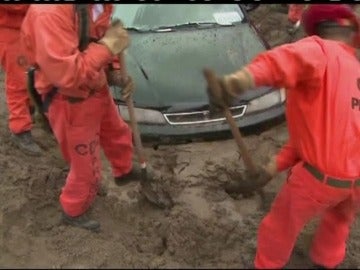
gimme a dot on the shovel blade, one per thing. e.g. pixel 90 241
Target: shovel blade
pixel 154 193
pixel 158 198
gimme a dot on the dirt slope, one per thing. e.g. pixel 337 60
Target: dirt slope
pixel 206 228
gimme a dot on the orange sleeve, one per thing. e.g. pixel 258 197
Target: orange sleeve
pixel 289 64
pixel 19 8
pixel 58 56
pixel 287 157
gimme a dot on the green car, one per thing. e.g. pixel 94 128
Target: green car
pixel 170 46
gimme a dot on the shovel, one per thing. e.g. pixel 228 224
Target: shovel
pixel 248 161
pixel 159 198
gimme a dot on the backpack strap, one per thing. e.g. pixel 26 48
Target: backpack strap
pixel 84 29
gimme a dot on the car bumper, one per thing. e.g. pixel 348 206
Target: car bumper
pixel 168 132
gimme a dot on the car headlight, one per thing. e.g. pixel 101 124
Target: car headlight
pixel 144 116
pixel 266 101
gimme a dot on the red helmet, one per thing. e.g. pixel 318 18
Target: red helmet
pixel 340 14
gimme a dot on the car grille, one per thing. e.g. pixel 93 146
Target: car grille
pixel 200 117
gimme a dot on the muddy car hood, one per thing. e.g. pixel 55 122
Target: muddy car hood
pixel 167 66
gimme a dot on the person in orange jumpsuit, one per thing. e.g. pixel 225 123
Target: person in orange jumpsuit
pixel 294 17
pixel 295 12
pixel 17 98
pixel 322 76
pixel 82 114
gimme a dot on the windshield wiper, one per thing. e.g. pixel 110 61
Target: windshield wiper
pixel 141 30
pixel 189 25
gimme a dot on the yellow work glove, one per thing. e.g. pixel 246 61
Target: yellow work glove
pixel 237 83
pixel 232 86
pixel 271 167
pixel 116 38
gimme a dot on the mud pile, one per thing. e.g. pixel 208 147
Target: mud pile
pixel 205 228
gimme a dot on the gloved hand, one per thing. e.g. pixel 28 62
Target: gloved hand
pixel 231 86
pixel 271 167
pixel 116 38
pixel 127 84
pixel 219 100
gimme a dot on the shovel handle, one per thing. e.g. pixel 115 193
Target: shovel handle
pixel 248 161
pixel 134 127
pixel 215 87
pixel 133 122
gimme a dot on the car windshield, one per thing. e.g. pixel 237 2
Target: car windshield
pixel 159 16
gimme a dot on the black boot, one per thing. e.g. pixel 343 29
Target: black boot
pixel 134 175
pixel 25 142
pixel 82 222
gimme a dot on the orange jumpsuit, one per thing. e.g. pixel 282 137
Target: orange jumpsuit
pixel 323 114
pixel 11 17
pixel 50 39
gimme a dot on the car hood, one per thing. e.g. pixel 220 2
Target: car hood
pixel 167 66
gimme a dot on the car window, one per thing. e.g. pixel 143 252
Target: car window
pixel 153 16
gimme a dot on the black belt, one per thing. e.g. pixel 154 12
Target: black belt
pixel 331 181
pixel 48 98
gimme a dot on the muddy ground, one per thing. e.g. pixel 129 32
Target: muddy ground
pixel 205 228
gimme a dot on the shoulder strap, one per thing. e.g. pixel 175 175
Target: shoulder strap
pixel 83 19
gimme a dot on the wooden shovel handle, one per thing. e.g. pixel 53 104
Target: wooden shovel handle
pixel 133 122
pixel 248 161
pixel 215 87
